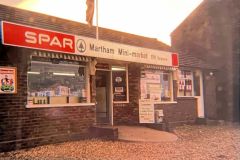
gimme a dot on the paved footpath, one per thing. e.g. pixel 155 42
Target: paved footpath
pixel 220 142
pixel 144 134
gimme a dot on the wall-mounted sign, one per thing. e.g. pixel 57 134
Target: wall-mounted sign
pixel 146 111
pixel 32 37
pixel 8 78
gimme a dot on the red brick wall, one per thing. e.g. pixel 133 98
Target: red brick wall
pixel 184 111
pixel 22 127
pixel 128 113
pixel 211 33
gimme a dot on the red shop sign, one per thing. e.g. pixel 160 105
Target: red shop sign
pixel 31 37
pixel 175 59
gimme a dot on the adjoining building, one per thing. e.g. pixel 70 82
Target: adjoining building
pixel 57 80
pixel 212 33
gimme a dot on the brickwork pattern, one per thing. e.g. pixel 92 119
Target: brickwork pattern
pixel 184 111
pixel 211 33
pixel 22 127
pixel 127 113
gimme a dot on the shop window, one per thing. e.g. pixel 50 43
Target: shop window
pixel 156 85
pixel 120 84
pixel 54 81
pixel 185 87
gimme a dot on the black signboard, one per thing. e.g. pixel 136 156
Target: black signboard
pixel 119 86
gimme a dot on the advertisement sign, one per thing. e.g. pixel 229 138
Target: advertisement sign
pixel 119 86
pixel 109 50
pixel 146 111
pixel 31 37
pixel 8 77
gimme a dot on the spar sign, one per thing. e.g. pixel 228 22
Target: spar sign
pixel 31 37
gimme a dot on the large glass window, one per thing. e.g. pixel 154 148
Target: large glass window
pixel 156 85
pixel 53 81
pixel 185 87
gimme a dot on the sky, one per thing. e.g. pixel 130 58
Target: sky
pixel 149 18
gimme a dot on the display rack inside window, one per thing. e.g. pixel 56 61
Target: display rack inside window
pixel 156 85
pixel 185 87
pixel 55 81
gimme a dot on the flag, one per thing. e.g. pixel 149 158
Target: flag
pixel 89 11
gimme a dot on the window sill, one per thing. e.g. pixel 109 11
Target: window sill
pixel 58 105
pixel 172 102
pixel 186 97
pixel 118 102
pixel 157 102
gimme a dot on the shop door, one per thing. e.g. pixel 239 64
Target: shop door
pixel 102 96
pixel 198 92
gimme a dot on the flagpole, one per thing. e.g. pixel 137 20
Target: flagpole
pixel 97 19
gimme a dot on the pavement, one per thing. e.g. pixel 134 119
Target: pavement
pixel 144 134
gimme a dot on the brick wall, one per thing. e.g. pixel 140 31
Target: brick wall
pixel 128 113
pixel 184 111
pixel 211 33
pixel 22 127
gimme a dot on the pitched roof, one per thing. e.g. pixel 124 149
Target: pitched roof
pixel 58 24
pixel 187 60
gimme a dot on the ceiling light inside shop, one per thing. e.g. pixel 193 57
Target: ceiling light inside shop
pixel 64 74
pixel 33 72
pixel 118 68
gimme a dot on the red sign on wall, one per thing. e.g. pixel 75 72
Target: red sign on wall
pixel 29 37
pixel 175 59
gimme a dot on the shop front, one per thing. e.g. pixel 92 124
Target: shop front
pixel 65 83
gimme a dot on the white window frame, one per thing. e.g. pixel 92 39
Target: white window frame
pixel 170 89
pixel 179 78
pixel 87 87
pixel 127 86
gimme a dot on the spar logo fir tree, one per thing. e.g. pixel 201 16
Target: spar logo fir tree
pixel 81 45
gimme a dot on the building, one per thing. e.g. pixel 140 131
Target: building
pixel 57 80
pixel 212 33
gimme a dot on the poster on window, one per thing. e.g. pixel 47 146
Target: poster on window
pixel 119 86
pixel 146 111
pixel 8 77
pixel 152 78
pixel 143 88
pixel 154 91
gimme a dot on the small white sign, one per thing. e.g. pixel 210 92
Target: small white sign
pixel 146 111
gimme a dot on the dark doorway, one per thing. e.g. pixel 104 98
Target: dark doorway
pixel 102 96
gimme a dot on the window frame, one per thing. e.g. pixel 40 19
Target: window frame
pixel 179 78
pixel 127 84
pixel 170 81
pixel 87 86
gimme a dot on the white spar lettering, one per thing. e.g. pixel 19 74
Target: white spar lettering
pixel 43 38
pixel 32 37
